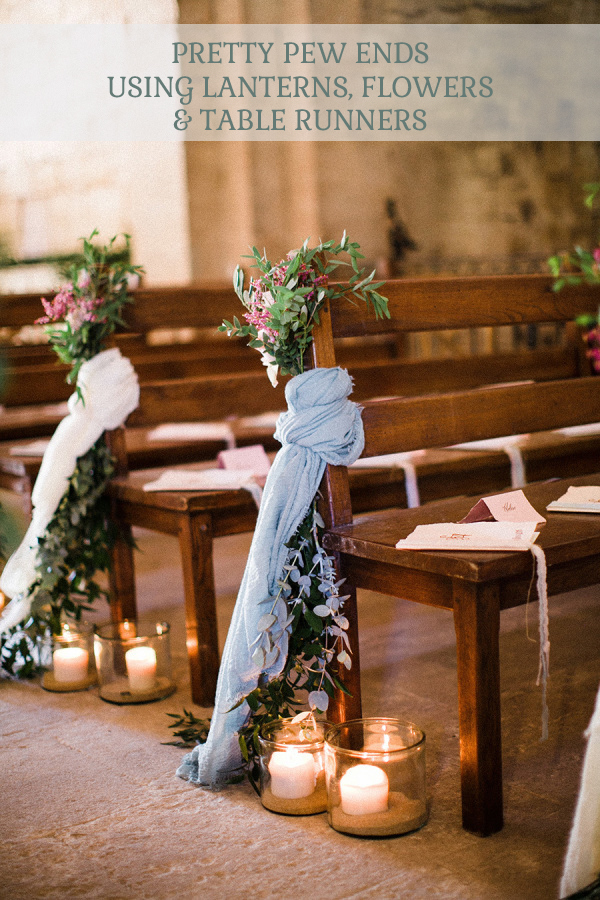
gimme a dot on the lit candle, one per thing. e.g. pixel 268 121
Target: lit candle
pixel 364 790
pixel 70 664
pixel 292 774
pixel 141 668
pixel 384 742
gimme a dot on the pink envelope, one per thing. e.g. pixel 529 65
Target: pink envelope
pixel 512 506
pixel 253 458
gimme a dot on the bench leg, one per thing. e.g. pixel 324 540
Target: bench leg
pixel 344 707
pixel 122 577
pixel 196 545
pixel 477 624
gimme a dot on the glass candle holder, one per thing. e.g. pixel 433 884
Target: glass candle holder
pixel 292 775
pixel 71 659
pixel 133 667
pixel 376 781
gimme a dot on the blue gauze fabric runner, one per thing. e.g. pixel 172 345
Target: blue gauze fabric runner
pixel 321 426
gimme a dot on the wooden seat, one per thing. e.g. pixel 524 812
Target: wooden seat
pixel 474 586
pixel 195 517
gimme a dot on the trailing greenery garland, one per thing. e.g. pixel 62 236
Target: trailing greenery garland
pixel 318 645
pixel 77 543
pixel 75 547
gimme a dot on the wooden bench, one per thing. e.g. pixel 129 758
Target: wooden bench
pixel 474 586
pixel 441 472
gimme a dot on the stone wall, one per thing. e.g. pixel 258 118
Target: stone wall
pixel 472 206
pixel 52 193
pixel 194 209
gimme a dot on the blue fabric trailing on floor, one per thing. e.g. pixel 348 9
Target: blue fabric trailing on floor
pixel 321 426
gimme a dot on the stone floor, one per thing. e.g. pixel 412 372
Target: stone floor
pixel 91 806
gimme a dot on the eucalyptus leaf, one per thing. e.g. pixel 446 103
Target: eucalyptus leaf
pixel 322 611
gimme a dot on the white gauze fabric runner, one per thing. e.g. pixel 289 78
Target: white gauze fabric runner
pixel 110 389
pixel 404 461
pixel 509 445
pixel 544 666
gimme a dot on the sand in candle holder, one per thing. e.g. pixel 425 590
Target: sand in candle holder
pixel 376 778
pixel 292 777
pixel 301 806
pixel 72 660
pixel 401 816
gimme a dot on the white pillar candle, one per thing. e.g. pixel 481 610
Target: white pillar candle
pixel 292 774
pixel 70 664
pixel 364 790
pixel 141 668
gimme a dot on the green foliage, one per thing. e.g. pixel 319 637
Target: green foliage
pixel 579 265
pixel 317 647
pixel 20 649
pixel 77 542
pixel 75 547
pixel 188 729
pixel 317 641
pixel 283 303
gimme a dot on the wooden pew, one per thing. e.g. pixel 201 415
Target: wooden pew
pixel 441 473
pixel 198 519
pixel 475 587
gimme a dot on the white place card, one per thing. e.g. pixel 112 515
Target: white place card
pixel 200 480
pixel 577 499
pixel 511 506
pixel 474 536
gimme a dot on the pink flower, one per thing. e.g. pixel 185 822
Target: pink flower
pixel 83 280
pixel 597 254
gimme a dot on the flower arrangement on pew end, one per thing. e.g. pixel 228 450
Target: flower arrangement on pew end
pixel 283 303
pixel 282 308
pixel 578 267
pixel 77 541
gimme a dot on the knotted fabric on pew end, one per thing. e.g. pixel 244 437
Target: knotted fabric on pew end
pixel 321 426
pixel 110 391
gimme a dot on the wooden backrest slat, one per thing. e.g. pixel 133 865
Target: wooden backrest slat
pixel 418 376
pixel 416 304
pixel 424 304
pixel 184 307
pixel 206 398
pixel 440 420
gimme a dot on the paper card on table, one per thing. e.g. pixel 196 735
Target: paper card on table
pixel 389 461
pixel 264 420
pixel 192 431
pixel 512 506
pixel 33 448
pixel 577 499
pixel 474 536
pixel 200 480
pixel 253 458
